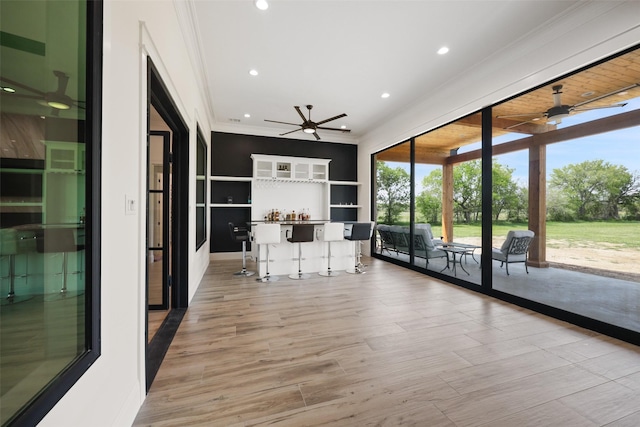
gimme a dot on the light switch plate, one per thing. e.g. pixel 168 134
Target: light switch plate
pixel 130 205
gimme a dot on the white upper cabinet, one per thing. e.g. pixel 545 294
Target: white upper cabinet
pixel 290 168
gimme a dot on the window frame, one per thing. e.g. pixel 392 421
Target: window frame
pixel 47 398
pixel 201 206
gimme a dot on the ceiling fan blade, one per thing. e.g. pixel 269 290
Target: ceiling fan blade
pixel 304 119
pixel 338 129
pixel 316 135
pixel 332 118
pixel 597 98
pixel 284 123
pixel 21 86
pixel 521 115
pixel 20 95
pixel 515 125
pixel 291 131
pixel 63 80
pixel 622 104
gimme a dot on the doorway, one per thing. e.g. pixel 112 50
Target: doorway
pixel 159 206
pixel 167 251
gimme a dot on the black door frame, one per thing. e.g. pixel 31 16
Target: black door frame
pixel 166 216
pixel 159 97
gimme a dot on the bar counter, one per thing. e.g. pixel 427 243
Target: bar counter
pixel 283 256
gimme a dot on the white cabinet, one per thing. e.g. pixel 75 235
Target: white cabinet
pixel 65 156
pixel 290 168
pixel 289 185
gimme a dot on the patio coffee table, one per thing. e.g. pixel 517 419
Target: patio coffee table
pixel 461 249
pixel 470 247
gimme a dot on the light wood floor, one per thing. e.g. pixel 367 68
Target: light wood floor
pixel 391 347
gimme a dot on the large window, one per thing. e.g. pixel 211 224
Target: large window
pixel 559 223
pixel 47 206
pixel 201 190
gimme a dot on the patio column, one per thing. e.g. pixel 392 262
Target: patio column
pixel 538 205
pixel 447 202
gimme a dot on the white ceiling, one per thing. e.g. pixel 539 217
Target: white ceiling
pixel 340 56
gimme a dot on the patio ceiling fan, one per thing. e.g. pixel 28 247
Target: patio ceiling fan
pixel 559 110
pixel 309 126
pixel 57 100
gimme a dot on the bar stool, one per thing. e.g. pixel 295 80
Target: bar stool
pixel 241 234
pixel 300 234
pixel 59 240
pixel 9 249
pixel 333 232
pixel 266 234
pixel 359 231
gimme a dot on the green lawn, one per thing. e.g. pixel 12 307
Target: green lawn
pixel 624 233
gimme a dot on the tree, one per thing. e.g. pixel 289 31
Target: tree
pixel 596 189
pixel 393 192
pixel 429 201
pixel 505 190
pixel 467 191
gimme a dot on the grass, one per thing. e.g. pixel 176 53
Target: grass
pixel 625 234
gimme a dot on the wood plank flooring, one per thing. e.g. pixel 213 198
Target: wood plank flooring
pixel 388 348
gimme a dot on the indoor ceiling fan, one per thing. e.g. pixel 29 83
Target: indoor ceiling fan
pixel 57 100
pixel 308 126
pixel 559 110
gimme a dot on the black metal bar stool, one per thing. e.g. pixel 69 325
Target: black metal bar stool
pixel 332 232
pixel 359 231
pixel 241 234
pixel 300 234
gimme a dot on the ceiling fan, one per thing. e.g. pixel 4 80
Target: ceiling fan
pixel 560 111
pixel 310 127
pixel 57 100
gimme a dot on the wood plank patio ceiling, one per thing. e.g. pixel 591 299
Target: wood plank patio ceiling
pixel 621 72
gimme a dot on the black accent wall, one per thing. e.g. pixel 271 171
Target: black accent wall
pixel 231 156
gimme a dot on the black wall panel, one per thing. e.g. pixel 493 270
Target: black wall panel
pixel 231 156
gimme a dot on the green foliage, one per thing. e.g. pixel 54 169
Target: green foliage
pixel 593 189
pixel 393 192
pixel 429 202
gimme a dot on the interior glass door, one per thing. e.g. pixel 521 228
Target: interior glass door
pixel 158 220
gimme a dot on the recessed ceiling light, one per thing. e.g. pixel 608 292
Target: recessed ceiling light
pixel 623 93
pixel 247 115
pixel 8 89
pixel 443 50
pixel 535 119
pixel 343 127
pixel 262 4
pixel 588 94
pixel 253 72
pixel 385 95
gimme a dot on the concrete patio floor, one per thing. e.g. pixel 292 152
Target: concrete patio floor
pixel 611 300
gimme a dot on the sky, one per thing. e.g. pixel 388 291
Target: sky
pixel 619 148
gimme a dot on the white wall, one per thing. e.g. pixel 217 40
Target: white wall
pixel 112 390
pixel 593 32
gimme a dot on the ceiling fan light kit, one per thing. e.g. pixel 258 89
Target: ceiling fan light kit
pixel 310 127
